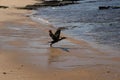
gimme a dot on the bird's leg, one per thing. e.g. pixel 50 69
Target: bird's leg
pixel 51 45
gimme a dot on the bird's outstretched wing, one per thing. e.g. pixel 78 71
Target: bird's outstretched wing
pixel 57 33
pixel 52 35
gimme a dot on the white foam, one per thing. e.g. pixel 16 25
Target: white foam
pixel 40 20
pixel 43 20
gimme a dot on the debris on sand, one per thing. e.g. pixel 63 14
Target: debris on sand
pixel 108 71
pixel 22 65
pixel 4 73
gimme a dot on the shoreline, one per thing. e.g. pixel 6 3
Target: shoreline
pixel 83 42
pixel 25 54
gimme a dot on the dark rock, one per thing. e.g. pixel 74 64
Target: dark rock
pixel 115 7
pixel 28 7
pixel 4 7
pixel 110 24
pixel 108 7
pixel 103 7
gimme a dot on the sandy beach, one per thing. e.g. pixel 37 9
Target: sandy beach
pixel 25 53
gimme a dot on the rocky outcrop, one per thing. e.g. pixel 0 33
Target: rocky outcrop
pixel 47 3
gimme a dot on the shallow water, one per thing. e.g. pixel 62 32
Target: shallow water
pixel 85 21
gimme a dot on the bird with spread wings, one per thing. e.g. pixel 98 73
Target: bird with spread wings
pixel 56 36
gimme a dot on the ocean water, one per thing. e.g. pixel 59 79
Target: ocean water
pixel 84 21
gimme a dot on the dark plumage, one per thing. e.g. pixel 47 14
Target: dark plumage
pixel 55 37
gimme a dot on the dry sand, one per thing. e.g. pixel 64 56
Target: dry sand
pixel 26 55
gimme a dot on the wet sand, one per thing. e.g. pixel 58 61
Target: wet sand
pixel 25 53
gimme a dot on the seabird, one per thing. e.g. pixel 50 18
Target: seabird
pixel 56 36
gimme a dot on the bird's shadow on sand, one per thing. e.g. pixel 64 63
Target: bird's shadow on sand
pixel 63 49
pixel 66 49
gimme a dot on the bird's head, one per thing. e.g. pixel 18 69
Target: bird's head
pixel 63 37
